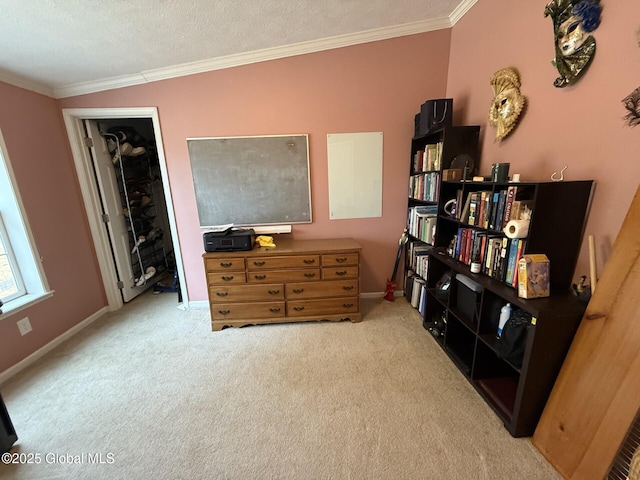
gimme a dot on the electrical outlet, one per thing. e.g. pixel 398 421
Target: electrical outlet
pixel 24 326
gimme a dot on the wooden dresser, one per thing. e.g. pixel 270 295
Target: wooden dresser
pixel 297 281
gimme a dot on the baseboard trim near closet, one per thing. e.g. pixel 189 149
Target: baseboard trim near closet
pixel 22 364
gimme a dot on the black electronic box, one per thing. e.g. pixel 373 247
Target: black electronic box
pixel 230 240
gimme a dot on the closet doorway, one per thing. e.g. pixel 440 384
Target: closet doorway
pixel 122 172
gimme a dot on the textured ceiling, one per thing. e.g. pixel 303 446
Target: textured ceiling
pixel 62 43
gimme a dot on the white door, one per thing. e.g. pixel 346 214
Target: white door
pixel 115 220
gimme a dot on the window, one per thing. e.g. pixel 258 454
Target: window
pixel 22 280
pixel 11 285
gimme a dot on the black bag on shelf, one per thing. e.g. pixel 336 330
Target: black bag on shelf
pixel 435 114
pixel 513 341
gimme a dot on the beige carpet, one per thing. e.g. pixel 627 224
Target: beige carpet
pixel 152 393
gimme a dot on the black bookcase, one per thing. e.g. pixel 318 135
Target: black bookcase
pixel 516 392
pixel 7 433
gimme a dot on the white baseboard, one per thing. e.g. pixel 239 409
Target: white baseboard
pixel 21 365
pixel 397 293
pixel 198 304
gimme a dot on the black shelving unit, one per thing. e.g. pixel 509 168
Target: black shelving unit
pixel 465 322
pixel 8 434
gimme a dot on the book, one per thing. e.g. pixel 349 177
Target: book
pixel 464 215
pixel 482 205
pixel 495 245
pixel 511 260
pixel 500 210
pixel 473 208
pixel 502 262
pixel 494 210
pixel 511 195
pixel 519 253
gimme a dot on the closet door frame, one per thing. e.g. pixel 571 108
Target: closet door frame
pixel 74 122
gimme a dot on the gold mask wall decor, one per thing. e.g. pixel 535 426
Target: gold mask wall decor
pixel 507 103
pixel 573 22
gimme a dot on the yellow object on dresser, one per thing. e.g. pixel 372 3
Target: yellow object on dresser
pixel 296 281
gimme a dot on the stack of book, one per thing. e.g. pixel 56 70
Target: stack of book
pixel 493 210
pixel 428 159
pixel 424 186
pixel 422 222
pixel 417 254
pixel 497 255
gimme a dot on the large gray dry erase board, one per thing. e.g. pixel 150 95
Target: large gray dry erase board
pixel 251 180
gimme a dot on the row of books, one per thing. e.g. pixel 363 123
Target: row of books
pixel 424 186
pixel 416 291
pixel 427 159
pixel 421 223
pixel 497 255
pixel 493 210
pixel 417 255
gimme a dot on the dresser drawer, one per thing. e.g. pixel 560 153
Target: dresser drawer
pixel 337 259
pixel 226 277
pixel 338 288
pixel 246 293
pixel 329 306
pixel 223 264
pixel 332 273
pixel 232 311
pixel 278 276
pixel 293 261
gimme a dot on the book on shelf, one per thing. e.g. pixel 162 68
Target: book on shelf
pixel 417 161
pixel 494 210
pixel 418 284
pixel 519 254
pixel 515 246
pixel 511 196
pixel 502 262
pixel 464 214
pixel 473 208
pixel 494 244
pixel 422 303
pixel 500 210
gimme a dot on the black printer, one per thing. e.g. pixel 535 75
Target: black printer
pixel 229 240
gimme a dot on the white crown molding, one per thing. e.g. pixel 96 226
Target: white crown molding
pixel 246 58
pixel 460 10
pixel 236 60
pixel 27 84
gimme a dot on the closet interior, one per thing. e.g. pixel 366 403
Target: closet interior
pixel 140 189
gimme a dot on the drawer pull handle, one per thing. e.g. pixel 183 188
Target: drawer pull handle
pixel 274 310
pixel 227 278
pixel 309 275
pixel 224 312
pixel 347 305
pixel 298 290
pixel 222 294
pixel 309 261
pixel 341 259
pixel 341 272
pixel 298 309
pixel 274 292
pixel 348 287
pixel 260 277
pixel 258 263
pixel 226 264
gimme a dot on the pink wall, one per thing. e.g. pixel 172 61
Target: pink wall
pixel 373 87
pixel 580 126
pixel 38 149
